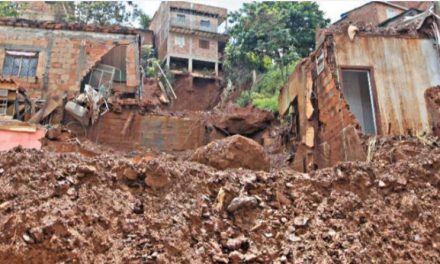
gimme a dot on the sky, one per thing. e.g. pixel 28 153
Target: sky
pixel 332 8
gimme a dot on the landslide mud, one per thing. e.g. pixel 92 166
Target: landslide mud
pixel 111 209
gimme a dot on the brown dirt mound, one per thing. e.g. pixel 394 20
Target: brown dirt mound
pixel 68 208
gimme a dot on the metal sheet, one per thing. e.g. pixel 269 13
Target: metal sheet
pixel 403 69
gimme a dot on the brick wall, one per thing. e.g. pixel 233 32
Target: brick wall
pixel 65 58
pixel 338 135
pixel 329 131
pixel 373 12
pixel 176 49
pixel 191 48
pixel 208 54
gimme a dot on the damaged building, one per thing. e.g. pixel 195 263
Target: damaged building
pixel 362 81
pixel 50 62
pixel 188 37
pixel 50 57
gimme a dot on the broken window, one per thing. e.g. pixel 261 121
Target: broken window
pixel 179 41
pixel 117 57
pixel 20 63
pixel 205 23
pixel 204 44
pixel 358 93
pixel 101 78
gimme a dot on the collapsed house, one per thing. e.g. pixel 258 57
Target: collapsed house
pixel 362 81
pixel 50 57
pixel 50 62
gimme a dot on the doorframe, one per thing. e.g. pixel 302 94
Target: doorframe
pixel 373 91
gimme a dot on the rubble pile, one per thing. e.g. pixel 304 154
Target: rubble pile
pixel 113 209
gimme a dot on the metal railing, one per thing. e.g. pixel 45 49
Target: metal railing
pixel 186 23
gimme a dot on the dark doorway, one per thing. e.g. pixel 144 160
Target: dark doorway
pixel 358 93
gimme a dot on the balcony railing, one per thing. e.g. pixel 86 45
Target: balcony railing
pixel 192 25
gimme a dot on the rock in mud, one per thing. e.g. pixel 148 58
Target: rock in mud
pixel 242 120
pixel 233 152
pixel 242 202
pixel 130 173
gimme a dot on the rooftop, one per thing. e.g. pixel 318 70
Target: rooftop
pixel 73 26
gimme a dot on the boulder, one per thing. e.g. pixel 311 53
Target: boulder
pixel 242 120
pixel 233 152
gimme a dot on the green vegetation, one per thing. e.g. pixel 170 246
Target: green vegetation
pixel 144 20
pixel 10 9
pixel 106 12
pixel 265 95
pixel 269 37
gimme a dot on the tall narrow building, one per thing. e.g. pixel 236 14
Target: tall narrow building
pixel 187 36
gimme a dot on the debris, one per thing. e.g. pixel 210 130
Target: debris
pixel 130 173
pixel 300 221
pixel 337 214
pixel 294 238
pixel 53 133
pixel 50 105
pixel 220 199
pixel 242 202
pixel 351 31
pixel 138 207
pixel 128 123
pixel 237 243
pixel 28 239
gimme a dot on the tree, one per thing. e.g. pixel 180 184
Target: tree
pixel 106 12
pixel 269 37
pixel 279 31
pixel 144 20
pixel 10 9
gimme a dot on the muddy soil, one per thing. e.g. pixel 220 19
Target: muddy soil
pixel 66 207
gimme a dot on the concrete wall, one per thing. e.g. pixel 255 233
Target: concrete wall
pixel 160 25
pixel 65 57
pixel 403 68
pixel 165 133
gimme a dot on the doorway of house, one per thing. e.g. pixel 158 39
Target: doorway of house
pixel 356 87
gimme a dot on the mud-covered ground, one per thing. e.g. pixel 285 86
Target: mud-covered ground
pixel 70 208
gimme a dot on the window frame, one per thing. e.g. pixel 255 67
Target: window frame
pixel 204 41
pixel 208 22
pixel 32 64
pixel 181 18
pixel 176 43
pixel 373 91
